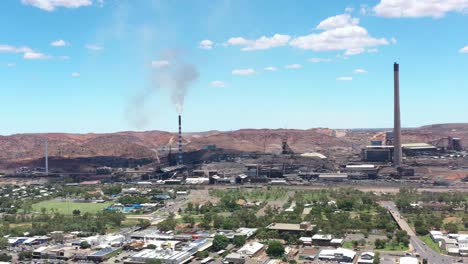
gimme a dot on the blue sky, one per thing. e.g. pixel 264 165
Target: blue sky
pixel 95 66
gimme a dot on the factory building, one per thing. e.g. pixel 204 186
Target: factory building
pixel 377 153
pixel 384 153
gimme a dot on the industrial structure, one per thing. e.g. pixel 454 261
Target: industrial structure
pixel 46 155
pixel 397 153
pixel 179 155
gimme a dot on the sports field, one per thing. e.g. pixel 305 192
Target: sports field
pixel 67 207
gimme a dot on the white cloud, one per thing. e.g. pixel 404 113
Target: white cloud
pixel 75 74
pixel 93 47
pixel 338 21
pixel 261 43
pixel 293 66
pixel 237 41
pixel 28 53
pixel 419 8
pixel 270 68
pixel 341 32
pixel 356 51
pixel 344 78
pixel 11 64
pixel 13 49
pixel 349 9
pixel 374 50
pixel 364 10
pixel 243 71
pixel 206 44
pixel 59 43
pixel 51 5
pixel 64 57
pixel 393 40
pixel 32 55
pixel 358 71
pixel 160 63
pixel 317 60
pixel 218 84
pixel 464 49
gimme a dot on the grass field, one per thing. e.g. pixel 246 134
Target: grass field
pixel 68 207
pixel 430 243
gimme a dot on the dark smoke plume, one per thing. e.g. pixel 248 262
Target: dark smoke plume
pixel 170 72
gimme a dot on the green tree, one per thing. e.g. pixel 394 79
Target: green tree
pixel 275 249
pixel 239 241
pixel 76 212
pixel 451 228
pixel 24 255
pixel 380 243
pixel 376 258
pixel 168 224
pixel 144 223
pixel 3 242
pixel 85 245
pixel 220 242
pixel 402 237
pixel 5 258
pixel 355 243
pixel 189 220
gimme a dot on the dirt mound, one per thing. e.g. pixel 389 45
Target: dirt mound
pixel 140 145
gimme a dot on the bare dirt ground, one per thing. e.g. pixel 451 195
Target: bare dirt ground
pixel 201 197
pixel 275 203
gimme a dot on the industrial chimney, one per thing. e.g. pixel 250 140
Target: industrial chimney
pixel 46 155
pixel 179 157
pixel 397 152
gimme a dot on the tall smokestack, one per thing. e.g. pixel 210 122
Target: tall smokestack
pixel 179 158
pixel 397 153
pixel 46 155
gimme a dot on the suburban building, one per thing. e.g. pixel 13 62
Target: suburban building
pixel 251 249
pixel 291 228
pixel 366 258
pixel 408 260
pixel 341 255
pixel 321 240
pixel 104 254
pixel 234 258
pixel 168 255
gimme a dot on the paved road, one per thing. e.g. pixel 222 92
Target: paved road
pixel 418 245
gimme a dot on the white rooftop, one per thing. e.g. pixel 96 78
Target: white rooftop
pixel 409 260
pixel 250 249
pixel 330 253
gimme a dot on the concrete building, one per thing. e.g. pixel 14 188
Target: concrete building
pixel 291 228
pixel 408 260
pixel 234 258
pixel 366 258
pixel 322 240
pixel 341 255
pixel 169 255
pixel 336 177
pixel 377 154
pixel 104 254
pixel 251 249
